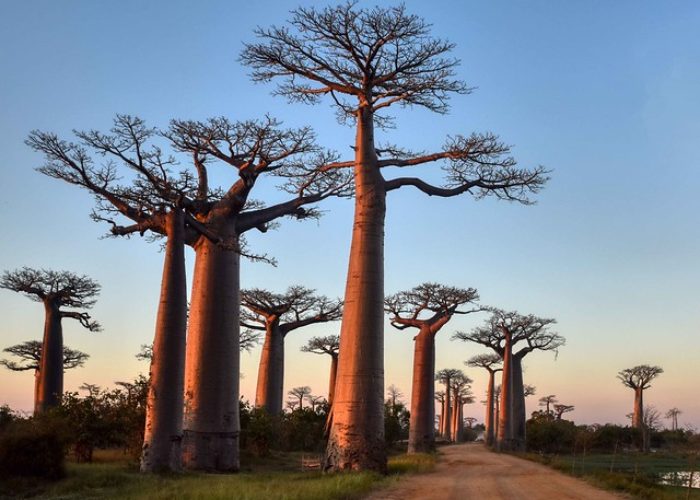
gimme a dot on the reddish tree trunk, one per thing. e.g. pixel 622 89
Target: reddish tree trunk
pixel 331 383
pixel 505 432
pixel 356 440
pixel 441 422
pixel 519 415
pixel 447 424
pixel 638 413
pixel 269 393
pixel 211 422
pixel 163 432
pixel 421 435
pixel 51 371
pixel 458 425
pixel 489 420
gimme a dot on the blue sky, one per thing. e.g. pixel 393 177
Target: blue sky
pixel 603 93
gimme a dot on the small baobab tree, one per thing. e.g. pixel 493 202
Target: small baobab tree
pixel 671 414
pixel 440 398
pixel 461 395
pixel 491 363
pixel 638 378
pixel 501 332
pixel 314 401
pixel 299 394
pixel 277 314
pixel 326 345
pixel 445 377
pixel 56 290
pixel 29 354
pixel 546 402
pixel 427 308
pixel 560 409
pixel 394 395
pixel 470 421
pixel 367 60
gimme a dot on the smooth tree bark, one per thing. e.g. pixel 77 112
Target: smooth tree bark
pixel 367 60
pixel 29 354
pixel 215 219
pixel 278 315
pixel 427 308
pixel 461 395
pixel 638 378
pixel 56 290
pixel 440 398
pixel 489 362
pixel 445 376
pixel 502 331
pixel 329 345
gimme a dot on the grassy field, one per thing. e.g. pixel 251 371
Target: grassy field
pixel 637 474
pixel 275 477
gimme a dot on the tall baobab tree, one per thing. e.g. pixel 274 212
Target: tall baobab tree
pixel 638 378
pixel 326 345
pixel 445 377
pixel 367 60
pixel 496 411
pixel 394 395
pixel 491 363
pixel 277 314
pixel 547 401
pixel 440 398
pixel 672 414
pixel 56 290
pixel 501 332
pixel 29 354
pixel 427 308
pixel 461 395
pixel 186 209
pixel 560 409
pixel 300 393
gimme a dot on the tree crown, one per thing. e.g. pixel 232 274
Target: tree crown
pixel 323 345
pixel 29 354
pixel 640 376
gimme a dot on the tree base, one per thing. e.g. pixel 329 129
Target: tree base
pixel 211 451
pixel 164 458
pixel 360 455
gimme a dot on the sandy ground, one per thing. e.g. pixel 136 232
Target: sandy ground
pixel 470 471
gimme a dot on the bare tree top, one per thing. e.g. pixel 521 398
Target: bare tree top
pixel 429 305
pixel 549 399
pixel 295 308
pixel 323 345
pixel 29 354
pixel 300 392
pixel 640 376
pixel 394 393
pixel 530 330
pixel 490 362
pixel 447 374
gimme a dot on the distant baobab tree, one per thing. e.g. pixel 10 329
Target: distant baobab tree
pixel 427 308
pixel 326 345
pixel 56 290
pixel 445 377
pixel 547 401
pixel 671 414
pixel 461 395
pixel 314 401
pixel 491 363
pixel 187 210
pixel 470 421
pixel 367 60
pixel 300 393
pixel 638 378
pixel 277 314
pixel 394 395
pixel 440 398
pixel 560 409
pixel 501 333
pixel 29 354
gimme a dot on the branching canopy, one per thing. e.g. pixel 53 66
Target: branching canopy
pixel 490 362
pixel 639 377
pixel 29 354
pixel 323 345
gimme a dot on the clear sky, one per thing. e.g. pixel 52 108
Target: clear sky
pixel 604 93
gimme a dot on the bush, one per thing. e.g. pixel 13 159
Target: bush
pixel 608 438
pixel 550 436
pixel 34 447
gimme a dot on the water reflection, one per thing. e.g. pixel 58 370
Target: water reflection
pixel 680 478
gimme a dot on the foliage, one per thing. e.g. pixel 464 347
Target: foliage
pixel 547 435
pixel 396 420
pixel 33 447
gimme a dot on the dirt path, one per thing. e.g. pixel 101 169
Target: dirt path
pixel 470 471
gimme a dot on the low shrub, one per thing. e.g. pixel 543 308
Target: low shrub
pixel 34 447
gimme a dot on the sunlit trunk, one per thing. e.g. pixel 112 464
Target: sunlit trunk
pixel 458 425
pixel 505 432
pixel 489 420
pixel 421 434
pixel 441 422
pixel 269 393
pixel 331 383
pixel 519 415
pixel 356 440
pixel 496 417
pixel 447 423
pixel 211 424
pixel 163 431
pixel 50 387
pixel 638 414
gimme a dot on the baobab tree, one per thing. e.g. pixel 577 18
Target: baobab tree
pixel 671 414
pixel 367 60
pixel 300 393
pixel 560 409
pixel 547 401
pixel 29 354
pixel 56 290
pixel 326 345
pixel 445 377
pixel 440 398
pixel 470 421
pixel 638 378
pixel 427 308
pixel 491 363
pixel 461 395
pixel 186 209
pixel 394 395
pixel 278 314
pixel 501 332
pixel 314 401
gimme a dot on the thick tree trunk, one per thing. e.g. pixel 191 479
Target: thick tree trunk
pixel 270 390
pixel 51 371
pixel 458 425
pixel 505 432
pixel 331 383
pixel 163 432
pixel 489 419
pixel 421 431
pixel 441 422
pixel 37 381
pixel 496 418
pixel 519 415
pixel 211 423
pixel 447 421
pixel 638 413
pixel 356 440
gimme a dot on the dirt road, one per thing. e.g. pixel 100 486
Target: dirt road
pixel 470 471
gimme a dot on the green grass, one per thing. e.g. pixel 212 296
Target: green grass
pixel 274 477
pixel 636 474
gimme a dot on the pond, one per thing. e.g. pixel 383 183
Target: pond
pixel 680 478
